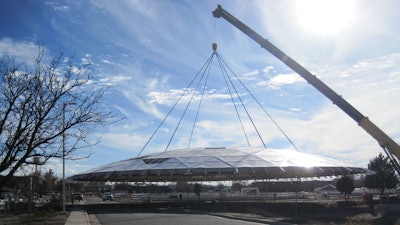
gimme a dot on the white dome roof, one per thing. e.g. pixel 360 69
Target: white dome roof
pixel 210 164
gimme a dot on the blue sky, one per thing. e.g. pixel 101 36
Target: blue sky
pixel 148 51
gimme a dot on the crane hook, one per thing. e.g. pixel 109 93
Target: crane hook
pixel 214 47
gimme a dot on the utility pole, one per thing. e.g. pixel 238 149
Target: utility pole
pixel 63 157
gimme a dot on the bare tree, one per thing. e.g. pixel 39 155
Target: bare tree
pixel 40 105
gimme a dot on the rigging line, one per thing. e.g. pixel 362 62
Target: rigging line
pixel 392 159
pixel 187 105
pixel 242 103
pixel 214 30
pixel 190 100
pixel 173 107
pixel 201 100
pixel 265 111
pixel 234 104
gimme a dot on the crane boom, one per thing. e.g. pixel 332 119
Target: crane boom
pixel 391 148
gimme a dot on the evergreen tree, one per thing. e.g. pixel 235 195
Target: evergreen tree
pixel 345 185
pixel 50 181
pixel 384 178
pixel 197 188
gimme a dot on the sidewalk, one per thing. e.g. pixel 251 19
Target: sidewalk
pixel 78 217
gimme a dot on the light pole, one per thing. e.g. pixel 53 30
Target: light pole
pixel 63 157
pixel 63 154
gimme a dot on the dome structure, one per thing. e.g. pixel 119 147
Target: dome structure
pixel 217 164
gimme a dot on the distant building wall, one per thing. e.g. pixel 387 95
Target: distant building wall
pixel 289 186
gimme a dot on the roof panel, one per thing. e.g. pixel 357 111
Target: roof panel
pixel 219 164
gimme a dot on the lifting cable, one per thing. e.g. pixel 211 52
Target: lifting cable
pixel 207 68
pixel 201 100
pixel 233 91
pixel 261 106
pixel 176 103
pixel 225 74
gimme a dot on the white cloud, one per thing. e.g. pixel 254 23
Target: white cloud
pixel 267 69
pixel 87 59
pixel 295 109
pixel 171 97
pixel 210 133
pixel 333 133
pixel 250 75
pixel 280 80
pixel 120 78
pixel 123 141
pixel 56 6
pixel 147 107
pixel 23 51
pixel 167 98
pixel 106 61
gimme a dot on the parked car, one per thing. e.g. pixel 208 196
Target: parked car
pixel 108 196
pixel 78 196
pixel 3 203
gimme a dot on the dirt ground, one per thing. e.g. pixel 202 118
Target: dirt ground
pixel 41 218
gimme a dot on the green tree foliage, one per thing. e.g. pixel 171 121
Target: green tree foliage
pixel 385 177
pixel 237 186
pixel 345 185
pixel 220 187
pixel 50 181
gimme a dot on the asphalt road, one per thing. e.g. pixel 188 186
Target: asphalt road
pixel 165 219
pixel 122 212
pixel 108 213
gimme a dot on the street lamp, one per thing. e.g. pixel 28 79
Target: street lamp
pixel 63 157
pixel 63 154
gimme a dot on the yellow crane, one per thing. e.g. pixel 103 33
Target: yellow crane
pixel 390 147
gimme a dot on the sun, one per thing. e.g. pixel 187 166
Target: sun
pixel 325 16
